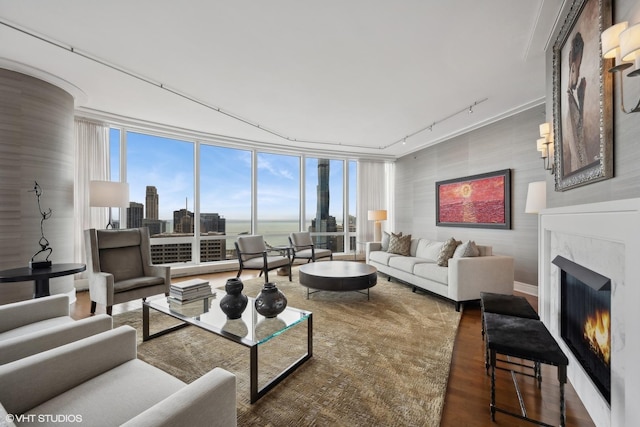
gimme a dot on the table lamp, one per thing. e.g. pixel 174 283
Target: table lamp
pixel 377 216
pixel 108 194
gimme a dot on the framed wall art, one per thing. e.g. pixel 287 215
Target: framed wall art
pixel 582 97
pixel 481 201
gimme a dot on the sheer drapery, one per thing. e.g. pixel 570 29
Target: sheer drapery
pixel 373 194
pixel 91 163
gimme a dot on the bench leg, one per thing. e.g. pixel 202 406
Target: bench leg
pixel 562 379
pixel 493 385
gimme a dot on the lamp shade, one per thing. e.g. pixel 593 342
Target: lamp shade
pixel 536 197
pixel 611 40
pixel 630 43
pixel 108 194
pixel 379 215
pixel 545 129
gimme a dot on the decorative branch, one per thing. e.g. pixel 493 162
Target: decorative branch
pixel 43 242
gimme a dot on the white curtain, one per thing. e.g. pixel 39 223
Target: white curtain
pixel 372 194
pixel 92 163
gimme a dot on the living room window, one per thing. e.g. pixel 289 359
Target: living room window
pixel 278 197
pixel 197 194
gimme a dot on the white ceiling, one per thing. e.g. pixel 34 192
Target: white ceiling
pixel 352 76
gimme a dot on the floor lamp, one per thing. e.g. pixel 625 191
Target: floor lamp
pixel 377 216
pixel 108 194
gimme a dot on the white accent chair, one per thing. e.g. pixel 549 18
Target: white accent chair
pixel 33 326
pixel 303 247
pixel 100 380
pixel 120 269
pixel 253 254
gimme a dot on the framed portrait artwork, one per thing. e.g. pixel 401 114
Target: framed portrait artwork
pixel 582 97
pixel 480 201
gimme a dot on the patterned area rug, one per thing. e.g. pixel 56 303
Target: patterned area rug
pixel 383 362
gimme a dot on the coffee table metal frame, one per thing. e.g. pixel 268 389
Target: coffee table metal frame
pixel 256 391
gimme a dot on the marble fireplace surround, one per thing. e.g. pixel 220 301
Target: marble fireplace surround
pixel 604 237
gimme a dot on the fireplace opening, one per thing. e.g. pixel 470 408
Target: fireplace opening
pixel 585 320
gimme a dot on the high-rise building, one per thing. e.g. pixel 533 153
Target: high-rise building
pixel 152 202
pixel 134 215
pixel 212 222
pixel 183 221
pixel 323 222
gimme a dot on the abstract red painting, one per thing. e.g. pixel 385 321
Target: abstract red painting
pixel 475 201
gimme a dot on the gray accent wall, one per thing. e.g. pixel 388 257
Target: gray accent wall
pixel 507 144
pixel 36 144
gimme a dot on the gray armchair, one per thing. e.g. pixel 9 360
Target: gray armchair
pixel 303 247
pixel 253 254
pixel 120 269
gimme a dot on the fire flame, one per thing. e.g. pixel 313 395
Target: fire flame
pixel 597 331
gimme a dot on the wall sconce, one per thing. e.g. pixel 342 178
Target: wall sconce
pixel 623 43
pixel 545 147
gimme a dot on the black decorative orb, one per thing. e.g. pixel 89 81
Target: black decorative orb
pixel 234 302
pixel 270 301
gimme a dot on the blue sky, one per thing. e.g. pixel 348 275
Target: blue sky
pixel 225 183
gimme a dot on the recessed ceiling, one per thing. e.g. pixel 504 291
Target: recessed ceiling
pixel 356 76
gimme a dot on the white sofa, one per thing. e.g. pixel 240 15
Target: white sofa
pixel 99 381
pixel 462 280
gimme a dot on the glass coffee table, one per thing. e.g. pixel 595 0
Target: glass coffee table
pixel 251 330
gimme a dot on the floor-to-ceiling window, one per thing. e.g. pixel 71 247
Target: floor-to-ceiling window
pixel 278 196
pixel 225 200
pixel 192 194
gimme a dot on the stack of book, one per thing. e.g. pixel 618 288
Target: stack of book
pixel 190 290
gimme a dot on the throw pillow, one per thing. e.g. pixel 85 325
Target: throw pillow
pixel 467 249
pixel 385 240
pixel 448 248
pixel 400 245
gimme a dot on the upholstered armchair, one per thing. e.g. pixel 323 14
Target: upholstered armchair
pixel 36 325
pixel 253 254
pixel 120 269
pixel 303 247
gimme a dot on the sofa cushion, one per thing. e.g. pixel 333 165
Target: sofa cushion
pixel 385 240
pixel 381 257
pixel 35 327
pixel 406 263
pixel 432 271
pixel 448 248
pixel 467 249
pixel 428 249
pixel 400 245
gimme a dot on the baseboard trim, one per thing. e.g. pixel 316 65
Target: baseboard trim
pixel 525 288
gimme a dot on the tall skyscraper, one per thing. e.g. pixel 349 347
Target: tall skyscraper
pixel 152 202
pixel 134 215
pixel 323 222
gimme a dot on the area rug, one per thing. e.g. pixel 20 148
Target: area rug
pixel 378 362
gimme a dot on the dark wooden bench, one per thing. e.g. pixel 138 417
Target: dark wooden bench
pixel 527 339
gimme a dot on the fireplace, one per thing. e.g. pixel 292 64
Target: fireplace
pixel 585 320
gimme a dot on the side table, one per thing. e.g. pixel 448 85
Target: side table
pixel 40 276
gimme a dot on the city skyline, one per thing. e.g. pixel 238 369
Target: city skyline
pixel 225 179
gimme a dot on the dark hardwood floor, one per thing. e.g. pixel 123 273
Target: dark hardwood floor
pixel 467 398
